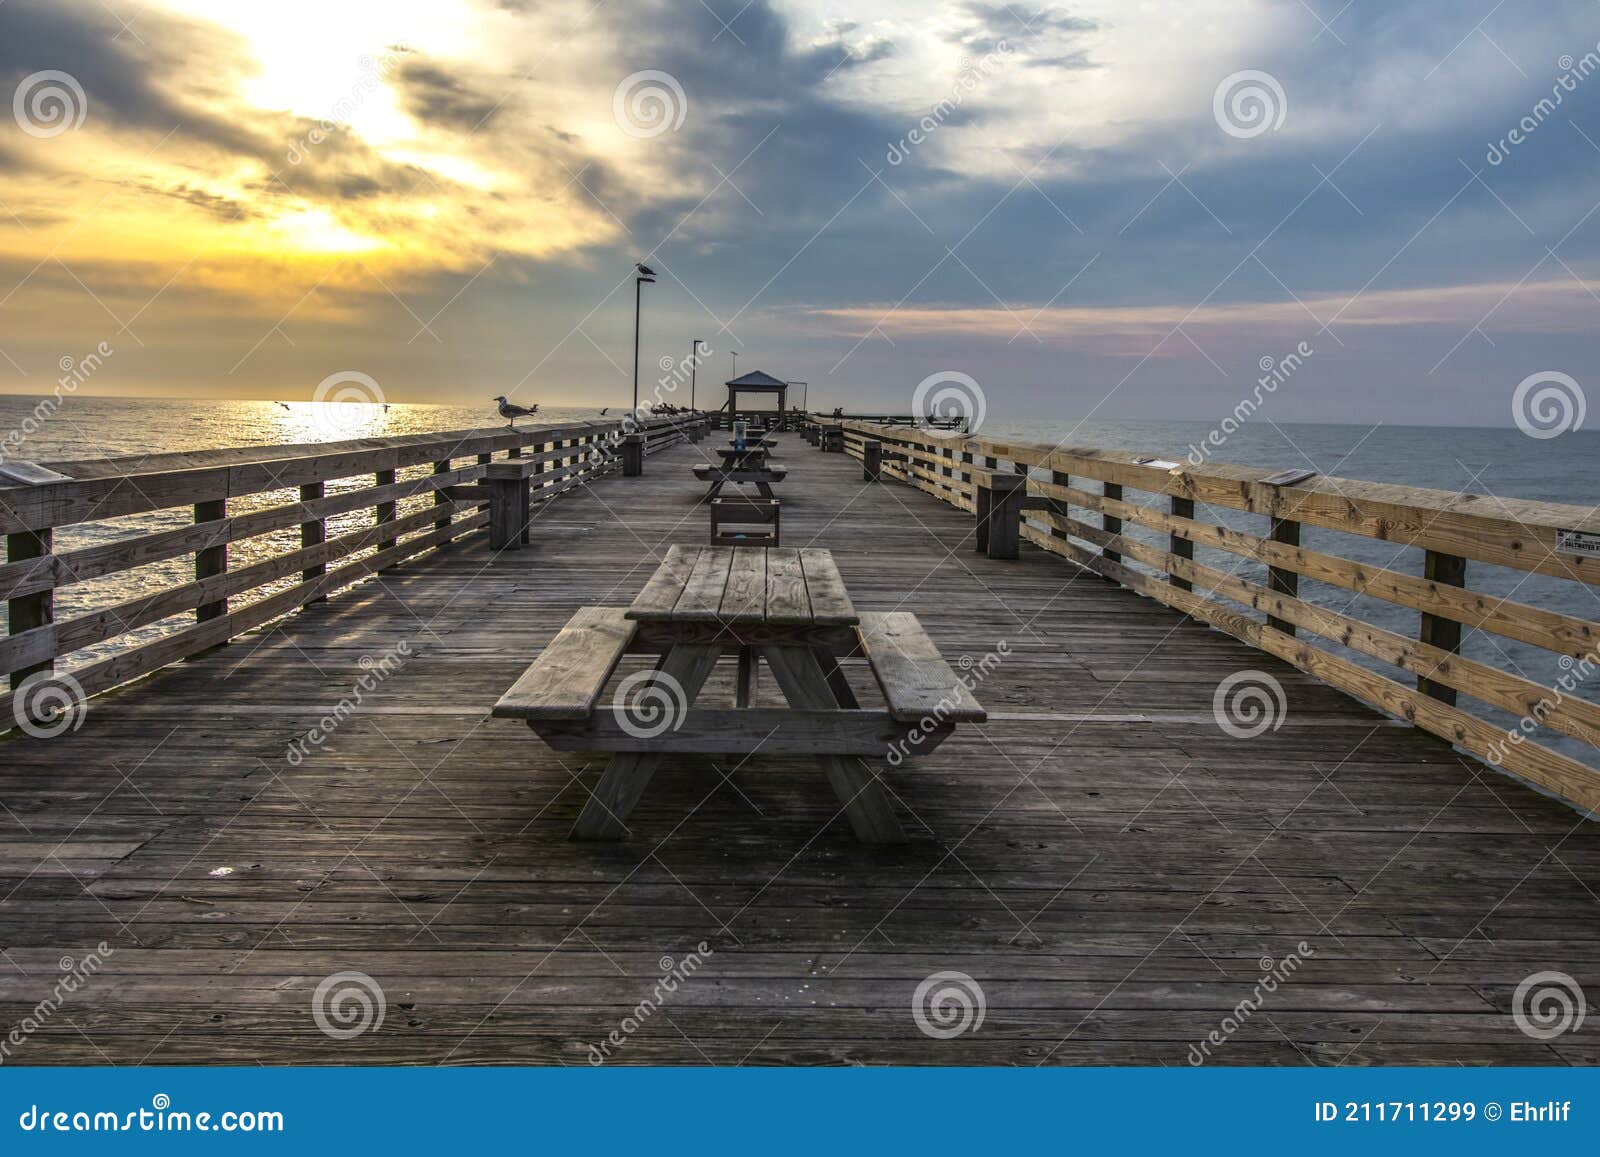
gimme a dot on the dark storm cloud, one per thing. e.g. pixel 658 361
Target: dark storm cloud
pixel 1407 176
pixel 122 76
pixel 841 49
pixel 222 208
pixel 433 95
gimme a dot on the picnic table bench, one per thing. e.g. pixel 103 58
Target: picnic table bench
pixel 787 607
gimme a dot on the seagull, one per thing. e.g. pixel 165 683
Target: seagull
pixel 510 411
pixel 603 412
pixel 285 405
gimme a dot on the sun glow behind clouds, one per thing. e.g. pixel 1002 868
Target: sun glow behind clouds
pixel 318 231
pixel 311 54
pixel 266 143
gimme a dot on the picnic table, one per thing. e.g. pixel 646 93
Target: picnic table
pixel 747 466
pixel 788 608
pixel 755 453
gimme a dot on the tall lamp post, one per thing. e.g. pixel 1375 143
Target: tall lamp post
pixel 644 276
pixel 694 364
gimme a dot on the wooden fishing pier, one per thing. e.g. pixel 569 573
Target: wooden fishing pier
pixel 228 853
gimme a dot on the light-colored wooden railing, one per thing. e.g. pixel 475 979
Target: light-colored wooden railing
pixel 1090 528
pixel 416 488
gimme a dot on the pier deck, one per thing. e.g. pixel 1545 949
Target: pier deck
pixel 1112 869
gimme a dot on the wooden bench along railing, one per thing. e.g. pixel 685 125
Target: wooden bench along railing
pixel 1056 511
pixel 420 491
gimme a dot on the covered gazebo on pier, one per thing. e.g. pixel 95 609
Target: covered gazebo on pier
pixel 756 382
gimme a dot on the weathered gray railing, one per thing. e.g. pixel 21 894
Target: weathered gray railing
pixel 1032 492
pixel 417 488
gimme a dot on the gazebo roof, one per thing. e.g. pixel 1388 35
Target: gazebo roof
pixel 756 380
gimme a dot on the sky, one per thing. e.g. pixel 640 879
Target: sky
pixel 1098 209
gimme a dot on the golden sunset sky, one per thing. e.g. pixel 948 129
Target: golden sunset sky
pixel 242 198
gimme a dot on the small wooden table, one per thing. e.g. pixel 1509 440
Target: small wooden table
pixel 788 607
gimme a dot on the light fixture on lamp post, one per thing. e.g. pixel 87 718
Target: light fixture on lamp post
pixel 694 364
pixel 644 275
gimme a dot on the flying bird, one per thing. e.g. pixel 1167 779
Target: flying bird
pixel 510 411
pixel 285 405
pixel 603 411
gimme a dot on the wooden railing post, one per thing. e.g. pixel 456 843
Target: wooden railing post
pixel 998 498
pixel 313 533
pixel 1282 580
pixel 633 456
pixel 1059 506
pixel 872 461
pixel 30 611
pixel 385 510
pixel 211 561
pixel 1446 570
pixel 440 498
pixel 1177 544
pixel 1110 523
pixel 531 491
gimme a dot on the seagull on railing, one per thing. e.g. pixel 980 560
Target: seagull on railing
pixel 510 411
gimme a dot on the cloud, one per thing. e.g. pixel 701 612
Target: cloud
pixel 481 172
pixel 1556 306
pixel 435 96
pixel 985 25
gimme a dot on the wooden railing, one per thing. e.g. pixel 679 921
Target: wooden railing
pixel 383 499
pixel 1094 529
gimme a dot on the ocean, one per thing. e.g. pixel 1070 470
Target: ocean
pixel 1501 463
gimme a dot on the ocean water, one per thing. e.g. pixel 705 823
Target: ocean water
pixel 1498 463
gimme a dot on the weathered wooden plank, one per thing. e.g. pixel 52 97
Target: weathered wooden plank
pixel 665 587
pixel 703 589
pixel 566 680
pixel 787 597
pixel 916 680
pixel 745 596
pixel 741 731
pixel 830 601
pixel 109 487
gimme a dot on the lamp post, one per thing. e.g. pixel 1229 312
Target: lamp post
pixel 694 364
pixel 644 275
